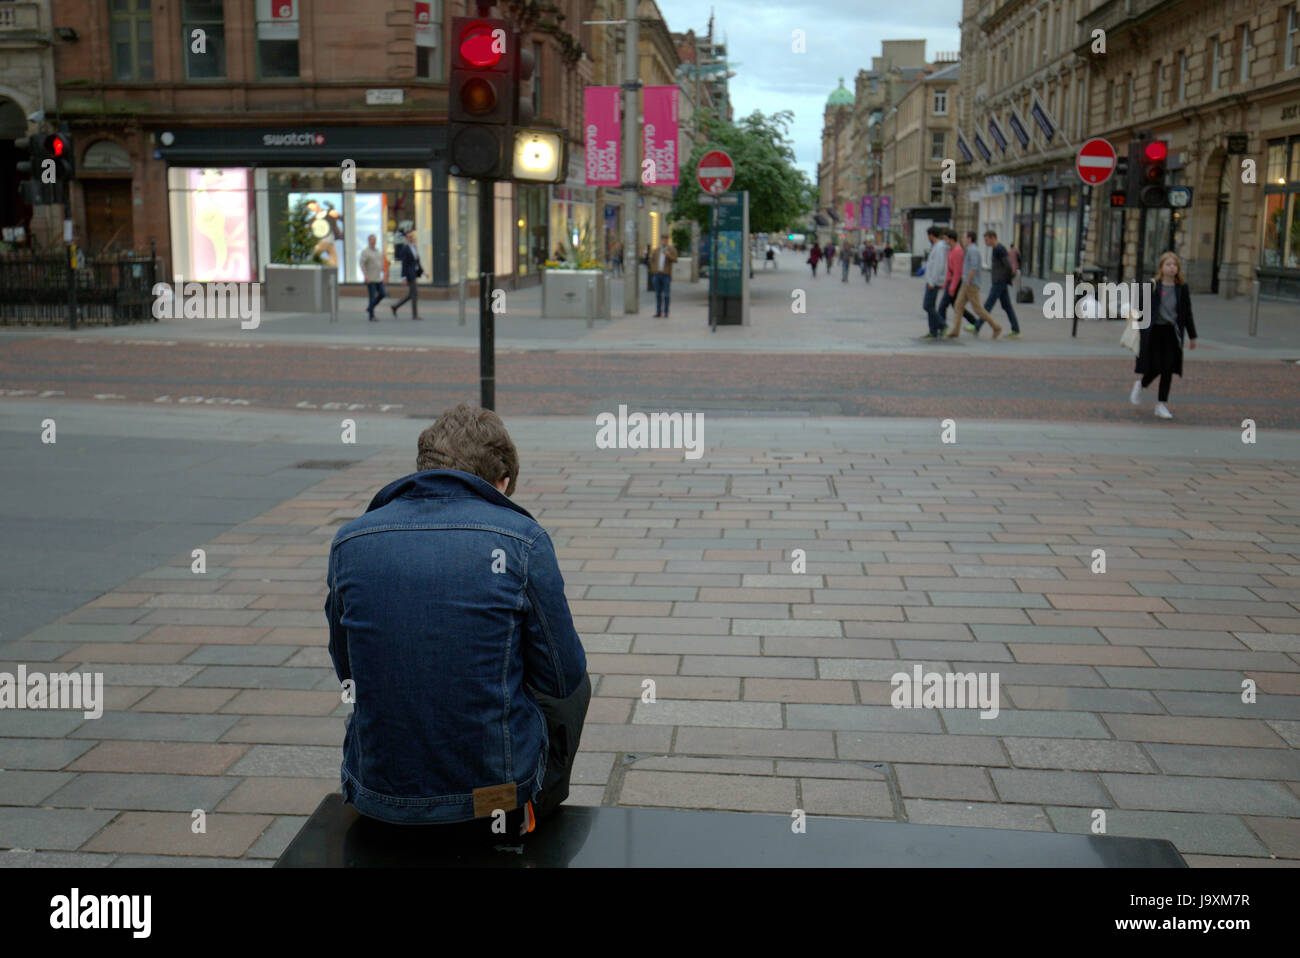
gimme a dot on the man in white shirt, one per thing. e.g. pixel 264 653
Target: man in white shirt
pixel 936 269
pixel 372 271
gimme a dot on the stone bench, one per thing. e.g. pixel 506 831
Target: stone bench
pixel 336 836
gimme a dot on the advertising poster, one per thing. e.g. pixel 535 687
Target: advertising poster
pixel 659 136
pixel 219 243
pixel 601 135
pixel 325 221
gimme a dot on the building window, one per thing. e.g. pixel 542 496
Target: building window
pixel 1243 74
pixel 1158 86
pixel 1216 62
pixel 1292 36
pixel 277 38
pixel 204 39
pixel 537 80
pixel 936 189
pixel 1281 246
pixel 132 37
pixel 428 37
pixel 937 142
pixel 940 102
pixel 1182 77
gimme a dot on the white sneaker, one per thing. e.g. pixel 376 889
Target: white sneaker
pixel 1163 411
pixel 1135 397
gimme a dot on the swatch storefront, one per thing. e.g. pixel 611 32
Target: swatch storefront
pixel 231 193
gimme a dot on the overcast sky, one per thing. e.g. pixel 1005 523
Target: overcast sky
pixel 841 37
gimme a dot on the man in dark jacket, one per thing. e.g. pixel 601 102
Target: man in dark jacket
pixel 452 637
pixel 409 256
pixel 1002 273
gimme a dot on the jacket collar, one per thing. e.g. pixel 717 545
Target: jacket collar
pixel 442 484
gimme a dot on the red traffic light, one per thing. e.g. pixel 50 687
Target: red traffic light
pixel 55 145
pixel 1156 151
pixel 480 48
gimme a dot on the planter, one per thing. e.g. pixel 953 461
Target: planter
pixel 299 289
pixel 565 292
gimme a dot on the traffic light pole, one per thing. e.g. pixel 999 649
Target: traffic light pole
pixel 487 364
pixel 631 169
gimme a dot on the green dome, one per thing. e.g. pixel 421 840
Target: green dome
pixel 840 96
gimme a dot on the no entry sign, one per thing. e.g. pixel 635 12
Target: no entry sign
pixel 716 171
pixel 1096 161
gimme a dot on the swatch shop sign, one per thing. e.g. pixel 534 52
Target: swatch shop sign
pixel 293 139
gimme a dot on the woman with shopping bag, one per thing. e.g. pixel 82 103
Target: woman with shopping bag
pixel 1160 344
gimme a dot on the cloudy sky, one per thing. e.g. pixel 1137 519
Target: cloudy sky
pixel 841 38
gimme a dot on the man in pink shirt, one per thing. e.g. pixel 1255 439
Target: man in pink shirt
pixel 952 279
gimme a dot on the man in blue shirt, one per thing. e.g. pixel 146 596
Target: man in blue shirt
pixel 451 634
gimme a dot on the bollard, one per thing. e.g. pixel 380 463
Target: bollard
pixel 591 302
pixel 1254 307
pixel 461 294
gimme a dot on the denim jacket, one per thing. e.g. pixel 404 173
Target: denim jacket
pixel 446 609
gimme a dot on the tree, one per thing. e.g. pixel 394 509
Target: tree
pixel 780 195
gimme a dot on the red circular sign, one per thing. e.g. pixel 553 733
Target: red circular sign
pixel 716 171
pixel 1096 161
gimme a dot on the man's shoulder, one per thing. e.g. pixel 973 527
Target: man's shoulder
pixel 406 513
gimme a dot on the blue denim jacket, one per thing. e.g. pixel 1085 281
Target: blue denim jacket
pixel 446 606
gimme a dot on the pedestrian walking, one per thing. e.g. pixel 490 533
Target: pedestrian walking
pixel 769 257
pixel 815 257
pixel 889 260
pixel 411 272
pixel 1160 350
pixel 372 271
pixel 661 274
pixel 845 263
pixel 952 281
pixel 618 258
pixel 936 268
pixel 968 295
pixel 1001 273
pixel 829 253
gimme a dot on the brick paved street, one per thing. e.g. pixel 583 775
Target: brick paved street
pixel 1119 691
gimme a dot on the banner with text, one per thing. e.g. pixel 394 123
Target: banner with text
pixel 865 217
pixel 601 135
pixel 659 137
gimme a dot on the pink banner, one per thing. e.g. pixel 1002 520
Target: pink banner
pixel 601 135
pixel 850 216
pixel 659 137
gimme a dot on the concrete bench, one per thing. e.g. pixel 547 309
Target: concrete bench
pixel 336 836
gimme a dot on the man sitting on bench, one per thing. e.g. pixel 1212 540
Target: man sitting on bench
pixel 450 629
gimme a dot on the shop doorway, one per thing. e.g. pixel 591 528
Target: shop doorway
pixel 109 222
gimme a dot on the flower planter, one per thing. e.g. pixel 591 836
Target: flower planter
pixel 565 292
pixel 298 288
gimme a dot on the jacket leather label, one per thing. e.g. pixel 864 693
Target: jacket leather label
pixel 489 799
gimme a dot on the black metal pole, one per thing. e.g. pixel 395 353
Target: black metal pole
pixel 72 290
pixel 486 328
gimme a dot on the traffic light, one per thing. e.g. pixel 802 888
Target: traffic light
pixel 1153 160
pixel 483 97
pixel 58 147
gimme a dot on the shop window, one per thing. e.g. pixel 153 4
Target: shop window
pixel 428 39
pixel 277 38
pixel 131 33
pixel 1281 245
pixel 203 35
pixel 210 224
pixel 1275 165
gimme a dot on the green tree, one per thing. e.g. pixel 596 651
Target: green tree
pixel 780 194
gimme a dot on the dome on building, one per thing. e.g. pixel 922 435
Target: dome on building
pixel 840 96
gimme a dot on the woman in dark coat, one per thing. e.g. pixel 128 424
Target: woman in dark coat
pixel 814 257
pixel 1161 345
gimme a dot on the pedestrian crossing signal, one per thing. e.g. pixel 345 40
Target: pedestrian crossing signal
pixel 1119 199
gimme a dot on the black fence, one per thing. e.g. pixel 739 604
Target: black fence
pixel 105 291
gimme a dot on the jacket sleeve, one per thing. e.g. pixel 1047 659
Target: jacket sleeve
pixel 554 660
pixel 338 635
pixel 1188 323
